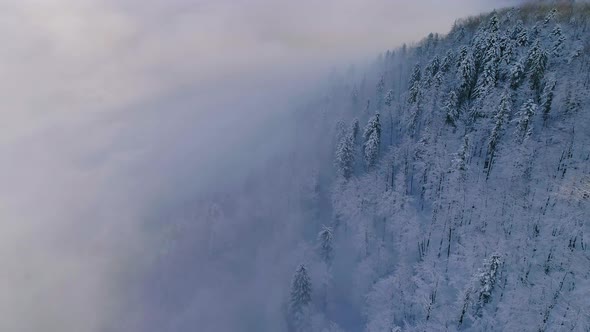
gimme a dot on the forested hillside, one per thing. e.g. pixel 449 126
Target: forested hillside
pixel 444 187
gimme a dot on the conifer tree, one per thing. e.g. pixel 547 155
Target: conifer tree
pixel 299 305
pixel 517 75
pixel 372 138
pixel 451 108
pixel 488 278
pixel 388 98
pixel 558 40
pixel 524 120
pixel 466 78
pixel 344 161
pixel 414 92
pixel 536 64
pixel 447 61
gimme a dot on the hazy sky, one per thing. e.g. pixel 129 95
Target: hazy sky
pixel 91 123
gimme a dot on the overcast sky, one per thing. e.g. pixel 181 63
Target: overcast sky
pixel 88 113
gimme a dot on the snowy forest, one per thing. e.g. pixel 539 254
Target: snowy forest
pixel 445 186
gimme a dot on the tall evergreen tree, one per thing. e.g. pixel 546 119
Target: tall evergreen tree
pixel 345 152
pixel 536 65
pixel 372 138
pixel 414 92
pixel 299 305
pixel 451 108
pixel 467 75
pixel 524 120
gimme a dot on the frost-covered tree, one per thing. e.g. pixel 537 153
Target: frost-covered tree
pixel 447 61
pixel 524 120
pixel 520 34
pixel 536 64
pixel 517 75
pixel 467 75
pixel 550 16
pixel 345 152
pixel 451 108
pixel 491 66
pixel 558 40
pixel 300 300
pixel 488 278
pixel 372 141
pixel 389 98
pixel 414 83
pixel 500 120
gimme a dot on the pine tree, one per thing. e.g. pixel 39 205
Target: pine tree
pixel 433 67
pixel 536 64
pixel 326 246
pixel 344 161
pixel 550 16
pixel 463 52
pixel 517 75
pixel 466 78
pixel 388 98
pixel 372 138
pixel 300 301
pixel 520 34
pixel 414 92
pixel 340 130
pixel 491 65
pixel 558 40
pixel 524 120
pixel 488 278
pixel 451 108
pixel 447 61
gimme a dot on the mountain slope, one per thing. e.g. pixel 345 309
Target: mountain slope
pixel 462 203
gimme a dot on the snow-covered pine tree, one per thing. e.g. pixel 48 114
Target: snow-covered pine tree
pixel 488 278
pixel 536 64
pixel 451 109
pixel 517 75
pixel 467 77
pixel 491 63
pixel 524 120
pixel 447 61
pixel 414 83
pixel 345 152
pixel 372 141
pixel 522 35
pixel 558 40
pixel 300 301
